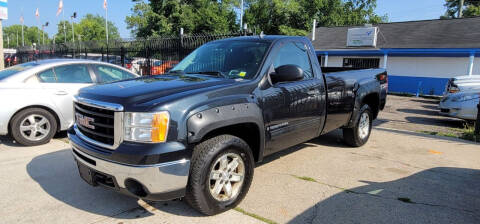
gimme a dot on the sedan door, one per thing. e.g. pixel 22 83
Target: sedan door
pixel 62 83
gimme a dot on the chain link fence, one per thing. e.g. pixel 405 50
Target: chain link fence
pixel 152 56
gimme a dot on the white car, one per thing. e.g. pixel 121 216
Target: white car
pixel 462 83
pixel 462 105
pixel 37 97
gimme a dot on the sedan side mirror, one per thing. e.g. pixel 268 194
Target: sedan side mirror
pixel 287 73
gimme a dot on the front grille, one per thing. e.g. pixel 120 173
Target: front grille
pixel 101 122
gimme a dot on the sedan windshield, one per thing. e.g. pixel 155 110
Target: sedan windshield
pixel 230 59
pixel 5 73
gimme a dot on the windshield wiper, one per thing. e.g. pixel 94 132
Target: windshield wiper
pixel 214 73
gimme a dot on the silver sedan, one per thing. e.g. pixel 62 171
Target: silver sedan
pixel 461 105
pixel 37 97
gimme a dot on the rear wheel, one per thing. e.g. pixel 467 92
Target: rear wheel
pixel 360 133
pixel 33 126
pixel 220 175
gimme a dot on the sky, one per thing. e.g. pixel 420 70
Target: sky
pixel 397 10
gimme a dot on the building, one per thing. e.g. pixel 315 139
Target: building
pixel 420 56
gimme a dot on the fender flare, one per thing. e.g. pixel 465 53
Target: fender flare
pixel 204 122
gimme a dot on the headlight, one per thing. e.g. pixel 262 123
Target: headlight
pixel 146 127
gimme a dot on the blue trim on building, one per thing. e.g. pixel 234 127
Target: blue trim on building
pixel 414 85
pixel 406 52
pixel 4 4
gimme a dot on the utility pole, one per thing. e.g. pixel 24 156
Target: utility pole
pixel 460 8
pixel 2 63
pixel 241 14
pixel 43 32
pixel 73 28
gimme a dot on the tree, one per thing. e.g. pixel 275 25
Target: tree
pixel 91 27
pixel 295 17
pixel 470 8
pixel 166 17
pixel 31 35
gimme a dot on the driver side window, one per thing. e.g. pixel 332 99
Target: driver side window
pixel 294 53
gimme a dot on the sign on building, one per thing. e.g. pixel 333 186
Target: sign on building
pixel 362 37
pixel 3 9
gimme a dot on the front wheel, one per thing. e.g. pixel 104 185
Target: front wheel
pixel 360 133
pixel 220 175
pixel 33 126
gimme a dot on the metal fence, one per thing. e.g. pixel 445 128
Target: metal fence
pixel 143 56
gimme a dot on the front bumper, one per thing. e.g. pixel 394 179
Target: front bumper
pixel 466 110
pixel 158 182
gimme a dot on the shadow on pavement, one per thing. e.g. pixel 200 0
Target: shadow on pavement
pixel 418 111
pixel 9 141
pixel 430 107
pixel 436 102
pixel 438 195
pixel 58 176
pixel 447 122
pixel 333 139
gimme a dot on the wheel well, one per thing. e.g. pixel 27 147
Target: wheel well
pixel 373 102
pixel 57 119
pixel 249 132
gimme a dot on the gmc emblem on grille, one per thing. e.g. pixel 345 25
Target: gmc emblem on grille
pixel 84 121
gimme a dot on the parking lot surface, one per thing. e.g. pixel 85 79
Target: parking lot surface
pixel 399 176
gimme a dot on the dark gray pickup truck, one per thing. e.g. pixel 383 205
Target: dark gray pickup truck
pixel 198 131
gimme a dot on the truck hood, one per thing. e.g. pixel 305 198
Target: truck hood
pixel 145 89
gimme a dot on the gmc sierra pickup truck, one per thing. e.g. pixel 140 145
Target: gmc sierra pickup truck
pixel 198 131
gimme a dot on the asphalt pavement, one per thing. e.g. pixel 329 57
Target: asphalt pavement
pixel 399 176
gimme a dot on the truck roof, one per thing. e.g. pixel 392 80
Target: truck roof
pixel 267 38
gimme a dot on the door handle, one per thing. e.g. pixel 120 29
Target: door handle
pixel 61 93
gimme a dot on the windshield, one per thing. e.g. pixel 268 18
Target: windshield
pixel 5 73
pixel 230 59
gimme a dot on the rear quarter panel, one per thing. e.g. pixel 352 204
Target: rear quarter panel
pixel 345 91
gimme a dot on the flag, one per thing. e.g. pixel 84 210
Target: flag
pixel 105 4
pixel 37 13
pixel 21 19
pixel 60 7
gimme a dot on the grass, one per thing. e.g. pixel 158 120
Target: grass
pixel 466 133
pixel 306 179
pixel 253 215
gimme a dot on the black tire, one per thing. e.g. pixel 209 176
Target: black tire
pixel 205 154
pixel 351 136
pixel 16 122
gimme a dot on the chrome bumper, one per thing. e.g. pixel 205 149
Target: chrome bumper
pixel 157 179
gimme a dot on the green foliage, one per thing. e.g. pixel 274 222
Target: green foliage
pixel 31 35
pixel 166 17
pixel 289 17
pixel 295 17
pixel 471 8
pixel 91 27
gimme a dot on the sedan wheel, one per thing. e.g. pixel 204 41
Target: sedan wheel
pixel 35 127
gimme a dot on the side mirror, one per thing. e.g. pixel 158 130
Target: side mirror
pixel 287 73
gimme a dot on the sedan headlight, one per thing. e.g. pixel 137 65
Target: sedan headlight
pixel 146 127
